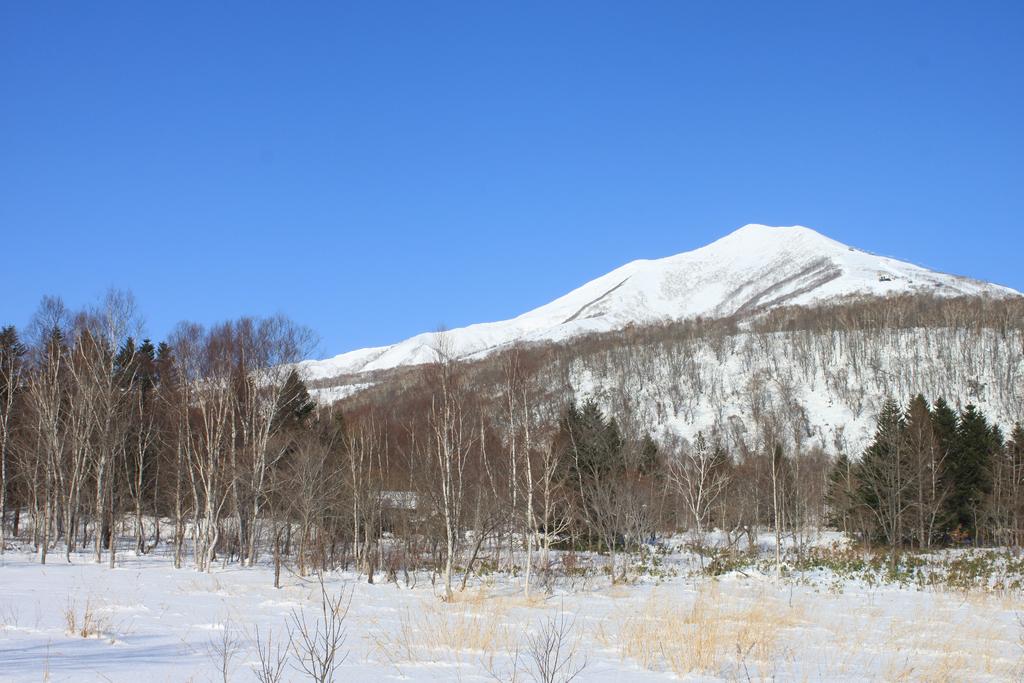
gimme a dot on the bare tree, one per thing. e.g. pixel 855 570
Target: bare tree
pixel 699 473
pixel 265 352
pixel 366 452
pixel 519 414
pixel 100 397
pixel 48 397
pixel 312 482
pixel 451 438
pixel 223 650
pixel 553 652
pixel 205 363
pixel 317 642
pixel 273 657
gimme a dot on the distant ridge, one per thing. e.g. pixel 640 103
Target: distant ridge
pixel 751 270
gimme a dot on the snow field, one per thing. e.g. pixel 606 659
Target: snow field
pixel 147 621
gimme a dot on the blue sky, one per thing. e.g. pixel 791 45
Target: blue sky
pixel 376 169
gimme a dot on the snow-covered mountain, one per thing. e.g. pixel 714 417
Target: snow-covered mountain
pixel 751 270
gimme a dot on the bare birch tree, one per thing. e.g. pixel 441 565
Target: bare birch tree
pixel 451 438
pixel 698 472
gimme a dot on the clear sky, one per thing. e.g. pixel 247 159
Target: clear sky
pixel 376 169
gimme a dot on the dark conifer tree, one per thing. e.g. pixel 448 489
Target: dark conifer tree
pixel 164 364
pixel 125 363
pixel 648 460
pixel 294 406
pixel 841 494
pixel 945 423
pixel 969 470
pixel 592 454
pixel 593 443
pixel 1013 480
pixel 146 364
pixel 12 356
pixel 882 474
pixel 928 488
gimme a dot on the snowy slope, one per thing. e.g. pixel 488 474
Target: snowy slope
pixel 750 270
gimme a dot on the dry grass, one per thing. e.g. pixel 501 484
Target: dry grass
pixel 9 617
pixel 938 642
pixel 715 633
pixel 486 597
pixel 89 624
pixel 732 630
pixel 469 631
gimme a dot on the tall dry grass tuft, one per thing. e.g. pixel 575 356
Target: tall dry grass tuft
pixel 470 631
pixel 709 635
pixel 941 641
pixel 88 624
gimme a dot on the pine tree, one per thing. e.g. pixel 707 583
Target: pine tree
pixel 883 481
pixel 1013 482
pixel 945 423
pixel 924 457
pixel 969 471
pixel 294 405
pixel 841 494
pixel 12 354
pixel 592 451
pixel 146 365
pixel 593 443
pixel 648 460
pixel 164 366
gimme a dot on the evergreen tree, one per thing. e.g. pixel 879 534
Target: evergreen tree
pixel 294 405
pixel 929 490
pixel 126 363
pixel 591 449
pixel 164 364
pixel 146 365
pixel 968 468
pixel 1015 446
pixel 945 423
pixel 592 442
pixel 1013 482
pixel 841 494
pixel 648 456
pixel 12 358
pixel 883 474
pixel 11 348
pixel 12 354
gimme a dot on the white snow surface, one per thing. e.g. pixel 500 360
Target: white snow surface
pixel 753 269
pixel 154 623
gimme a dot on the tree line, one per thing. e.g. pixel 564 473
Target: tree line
pixel 207 446
pixel 932 476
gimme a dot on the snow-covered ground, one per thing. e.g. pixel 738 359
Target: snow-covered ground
pixel 155 623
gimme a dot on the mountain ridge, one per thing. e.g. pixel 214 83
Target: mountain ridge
pixel 748 271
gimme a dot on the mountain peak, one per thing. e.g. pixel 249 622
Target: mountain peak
pixel 760 228
pixel 754 233
pixel 752 269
